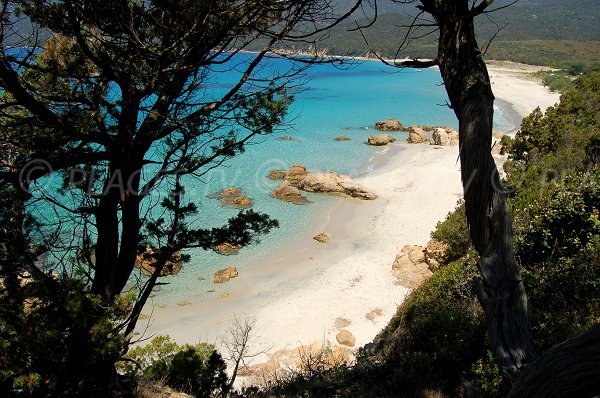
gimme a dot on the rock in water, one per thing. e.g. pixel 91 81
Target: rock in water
pixel 227 249
pixel 295 174
pixel 417 135
pixel 285 191
pixel 146 263
pixel 276 175
pixel 380 139
pixel 232 197
pixel 332 183
pixel 342 138
pixel 389 125
pixel 322 238
pixel 344 337
pixel 225 275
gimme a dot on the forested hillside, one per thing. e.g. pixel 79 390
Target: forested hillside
pixel 553 32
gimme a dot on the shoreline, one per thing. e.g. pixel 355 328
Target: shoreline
pixel 295 295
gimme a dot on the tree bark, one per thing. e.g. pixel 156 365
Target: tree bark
pixel 500 288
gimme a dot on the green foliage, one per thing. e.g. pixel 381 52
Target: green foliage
pixel 454 232
pixel 197 369
pixel 47 328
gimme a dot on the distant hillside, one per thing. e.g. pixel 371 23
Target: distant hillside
pixel 554 32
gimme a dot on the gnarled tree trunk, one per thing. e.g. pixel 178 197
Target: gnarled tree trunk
pixel 500 288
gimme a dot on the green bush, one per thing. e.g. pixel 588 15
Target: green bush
pixel 197 369
pixel 454 232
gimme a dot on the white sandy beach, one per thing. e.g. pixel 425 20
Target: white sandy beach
pixel 294 296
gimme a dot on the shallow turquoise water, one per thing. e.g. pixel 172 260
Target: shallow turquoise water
pixel 334 102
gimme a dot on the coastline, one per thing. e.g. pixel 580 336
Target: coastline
pixel 295 295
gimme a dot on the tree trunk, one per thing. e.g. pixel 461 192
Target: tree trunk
pixel 500 288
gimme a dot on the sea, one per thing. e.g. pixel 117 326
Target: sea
pixel 332 100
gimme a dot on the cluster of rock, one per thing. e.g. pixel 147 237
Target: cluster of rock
pixel 232 197
pixel 442 136
pixel 297 178
pixel 146 262
pixel 321 353
pixel 414 264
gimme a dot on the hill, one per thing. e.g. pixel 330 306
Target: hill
pixel 550 32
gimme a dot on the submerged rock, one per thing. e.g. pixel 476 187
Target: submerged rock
pixel 227 249
pixel 232 197
pixel 342 138
pixel 289 193
pixel 276 175
pixel 322 238
pixel 146 262
pixel 286 138
pixel 225 275
pixel 389 125
pixel 380 139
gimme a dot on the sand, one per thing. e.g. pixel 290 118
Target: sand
pixel 294 296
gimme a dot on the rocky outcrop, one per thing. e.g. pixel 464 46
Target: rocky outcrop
pixel 227 249
pixel 344 337
pixel 146 262
pixel 298 178
pixel 380 139
pixel 389 125
pixel 410 267
pixel 295 174
pixel 436 253
pixel 232 197
pixel 444 136
pixel 417 135
pixel 225 275
pixel 322 238
pixel 332 183
pixel 342 138
pixel 289 193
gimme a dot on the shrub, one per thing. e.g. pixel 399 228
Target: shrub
pixel 454 232
pixel 197 369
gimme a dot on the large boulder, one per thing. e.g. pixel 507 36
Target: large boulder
pixel 146 262
pixel 410 267
pixel 344 337
pixel 380 139
pixel 417 135
pixel 225 275
pixel 436 254
pixel 289 193
pixel 389 125
pixel 295 174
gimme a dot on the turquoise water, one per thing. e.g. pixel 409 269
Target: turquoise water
pixel 334 102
